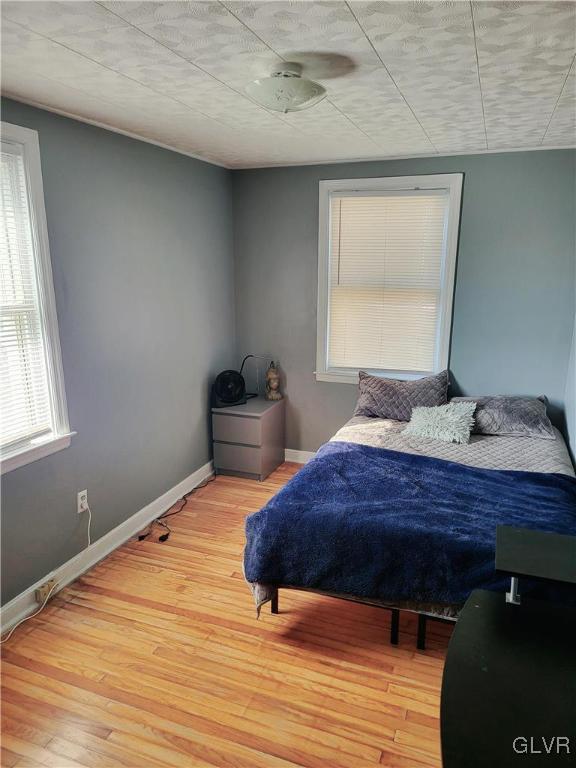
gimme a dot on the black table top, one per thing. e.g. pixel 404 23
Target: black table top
pixel 510 674
pixel 525 552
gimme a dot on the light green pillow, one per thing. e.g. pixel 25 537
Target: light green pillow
pixel 451 423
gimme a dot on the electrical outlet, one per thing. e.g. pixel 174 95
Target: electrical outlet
pixel 82 502
pixel 42 592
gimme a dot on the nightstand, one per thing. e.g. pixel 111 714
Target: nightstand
pixel 249 438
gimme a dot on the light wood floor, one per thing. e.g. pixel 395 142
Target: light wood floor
pixel 155 658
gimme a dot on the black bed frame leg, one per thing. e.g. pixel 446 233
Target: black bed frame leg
pixel 394 624
pixel 274 603
pixel 421 640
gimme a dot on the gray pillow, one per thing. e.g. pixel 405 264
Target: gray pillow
pixel 394 399
pixel 451 423
pixel 510 415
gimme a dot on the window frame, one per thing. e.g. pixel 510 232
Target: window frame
pixel 452 183
pixel 32 449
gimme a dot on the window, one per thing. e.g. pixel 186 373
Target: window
pixel 33 417
pixel 386 263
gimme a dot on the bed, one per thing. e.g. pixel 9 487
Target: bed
pixel 406 522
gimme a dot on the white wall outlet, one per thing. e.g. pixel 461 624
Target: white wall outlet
pixel 82 504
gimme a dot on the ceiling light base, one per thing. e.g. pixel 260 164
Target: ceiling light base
pixel 286 90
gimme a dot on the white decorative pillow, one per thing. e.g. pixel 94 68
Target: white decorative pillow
pixel 451 423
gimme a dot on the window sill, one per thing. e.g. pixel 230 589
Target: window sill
pixel 34 451
pixel 352 378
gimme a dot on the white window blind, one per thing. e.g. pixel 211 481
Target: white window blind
pixel 386 267
pixel 24 394
pixel 31 407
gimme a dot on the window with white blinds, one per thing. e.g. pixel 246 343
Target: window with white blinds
pixel 386 275
pixel 32 403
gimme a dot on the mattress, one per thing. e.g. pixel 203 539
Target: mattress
pixel 489 452
pixel 525 454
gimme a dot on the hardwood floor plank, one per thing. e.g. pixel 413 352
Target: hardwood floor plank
pixel 155 658
pixel 8 758
pixel 51 725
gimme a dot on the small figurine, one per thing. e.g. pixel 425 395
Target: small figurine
pixel 273 383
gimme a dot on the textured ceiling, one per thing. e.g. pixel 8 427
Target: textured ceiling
pixel 403 78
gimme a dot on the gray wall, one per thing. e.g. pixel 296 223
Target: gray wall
pixel 514 299
pixel 140 239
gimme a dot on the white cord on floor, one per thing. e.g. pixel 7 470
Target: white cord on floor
pixel 48 596
pixel 9 635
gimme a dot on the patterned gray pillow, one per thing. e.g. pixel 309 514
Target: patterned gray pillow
pixel 510 415
pixel 394 399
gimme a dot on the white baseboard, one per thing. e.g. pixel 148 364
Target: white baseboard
pixel 299 457
pixel 24 603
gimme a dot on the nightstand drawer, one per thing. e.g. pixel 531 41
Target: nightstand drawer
pixel 236 429
pixel 240 458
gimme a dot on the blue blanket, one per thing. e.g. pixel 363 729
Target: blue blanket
pixel 392 526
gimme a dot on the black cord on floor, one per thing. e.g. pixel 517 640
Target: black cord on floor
pixel 162 519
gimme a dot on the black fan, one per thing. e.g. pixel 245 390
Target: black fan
pixel 228 389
